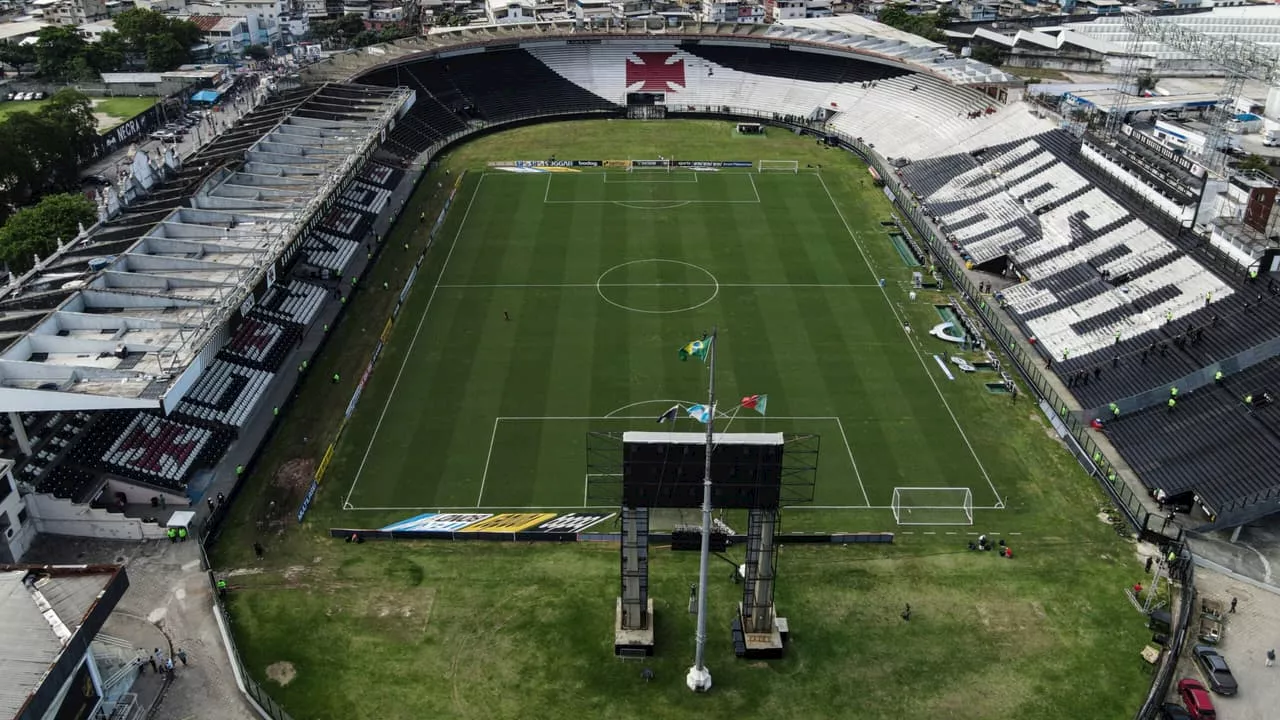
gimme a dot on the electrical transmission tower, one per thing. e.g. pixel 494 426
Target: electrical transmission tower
pixel 1240 59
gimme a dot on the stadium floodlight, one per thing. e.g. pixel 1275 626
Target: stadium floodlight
pixel 791 166
pixel 932 506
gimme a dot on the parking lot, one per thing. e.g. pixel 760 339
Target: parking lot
pixel 1252 630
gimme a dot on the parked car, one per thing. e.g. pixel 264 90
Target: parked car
pixel 1215 669
pixel 10 96
pixel 164 136
pixel 1173 711
pixel 1196 698
pixel 37 96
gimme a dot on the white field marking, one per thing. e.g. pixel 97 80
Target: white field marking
pixel 472 508
pixel 622 306
pixel 754 189
pixel 889 302
pixel 686 202
pixel 668 403
pixel 635 204
pixel 887 507
pixel 409 352
pixel 660 182
pixel 539 418
pixel 856 474
pixel 465 286
pixel 492 436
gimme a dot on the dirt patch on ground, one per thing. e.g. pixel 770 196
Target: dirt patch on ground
pixel 294 477
pixel 281 672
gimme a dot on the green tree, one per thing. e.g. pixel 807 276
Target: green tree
pixel 1254 162
pixel 987 54
pixel 924 25
pixel 40 152
pixel 57 47
pixel 257 52
pixel 16 55
pixel 108 54
pixel 164 52
pixel 162 42
pixel 36 230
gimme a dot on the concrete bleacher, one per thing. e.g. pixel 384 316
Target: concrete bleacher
pixel 1091 269
pixel 260 343
pixel 328 251
pixel 1212 444
pixel 149 448
pixel 366 198
pixel 226 393
pixel 298 302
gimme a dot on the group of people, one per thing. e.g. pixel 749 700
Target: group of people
pixel 984 544
pixel 161 664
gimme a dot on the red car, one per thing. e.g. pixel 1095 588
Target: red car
pixel 1197 699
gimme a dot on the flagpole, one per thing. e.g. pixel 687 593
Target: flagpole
pixel 699 677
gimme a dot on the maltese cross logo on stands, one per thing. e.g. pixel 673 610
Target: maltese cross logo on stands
pixel 655 72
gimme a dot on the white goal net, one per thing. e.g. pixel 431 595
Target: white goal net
pixel 933 506
pixel 791 166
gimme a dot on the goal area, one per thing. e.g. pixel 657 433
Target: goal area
pixel 791 166
pixel 932 506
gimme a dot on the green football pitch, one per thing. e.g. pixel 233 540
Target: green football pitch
pixel 559 308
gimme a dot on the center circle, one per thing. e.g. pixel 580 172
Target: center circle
pixel 622 270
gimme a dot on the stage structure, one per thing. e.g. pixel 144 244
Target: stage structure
pixel 758 472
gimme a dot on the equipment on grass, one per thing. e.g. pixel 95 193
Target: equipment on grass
pixel 791 166
pixel 932 506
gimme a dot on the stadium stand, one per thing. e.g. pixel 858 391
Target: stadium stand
pixel 147 280
pixel 225 394
pixel 147 448
pixel 1214 445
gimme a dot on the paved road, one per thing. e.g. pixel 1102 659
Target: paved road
pixel 169 605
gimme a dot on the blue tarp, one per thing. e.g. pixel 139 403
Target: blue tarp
pixel 205 96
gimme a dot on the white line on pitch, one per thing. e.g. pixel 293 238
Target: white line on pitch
pixel 645 417
pixel 856 474
pixel 877 507
pixel 919 357
pixel 470 508
pixel 488 456
pixel 409 352
pixel 452 286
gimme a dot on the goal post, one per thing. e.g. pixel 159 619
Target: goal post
pixel 932 506
pixel 791 166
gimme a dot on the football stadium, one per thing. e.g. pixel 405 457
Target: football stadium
pixel 543 369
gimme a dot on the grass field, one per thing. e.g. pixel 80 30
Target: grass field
pixel 604 275
pixel 114 110
pixel 469 409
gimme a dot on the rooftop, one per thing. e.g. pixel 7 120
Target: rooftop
pixel 842 34
pixel 124 317
pixel 40 611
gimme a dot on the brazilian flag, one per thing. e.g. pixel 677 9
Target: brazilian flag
pixel 697 349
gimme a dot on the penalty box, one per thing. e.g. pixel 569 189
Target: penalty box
pixel 541 462
pixel 684 187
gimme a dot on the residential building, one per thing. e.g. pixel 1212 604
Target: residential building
pixel 222 35
pixel 69 12
pixel 510 11
pixel 591 10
